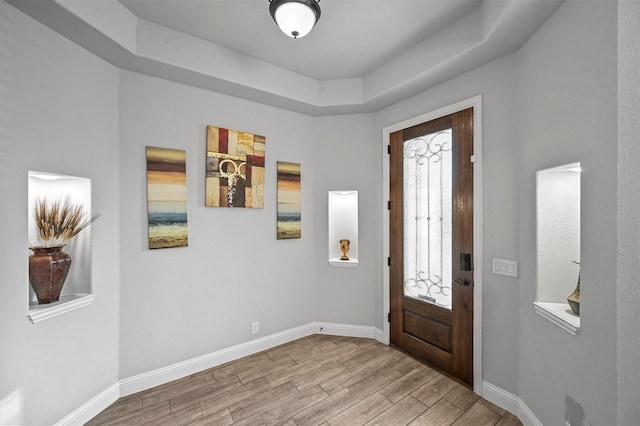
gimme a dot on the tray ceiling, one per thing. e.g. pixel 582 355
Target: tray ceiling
pixel 363 55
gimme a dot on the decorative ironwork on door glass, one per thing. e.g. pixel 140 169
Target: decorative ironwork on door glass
pixel 427 168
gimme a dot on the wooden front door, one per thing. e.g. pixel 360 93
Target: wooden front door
pixel 431 243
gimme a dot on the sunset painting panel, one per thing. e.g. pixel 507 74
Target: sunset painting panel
pixel 167 197
pixel 289 201
pixel 235 169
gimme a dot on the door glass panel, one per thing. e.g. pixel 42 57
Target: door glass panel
pixel 427 168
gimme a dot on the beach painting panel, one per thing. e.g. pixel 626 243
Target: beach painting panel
pixel 289 201
pixel 235 169
pixel 167 197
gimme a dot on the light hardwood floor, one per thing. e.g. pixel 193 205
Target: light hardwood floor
pixel 318 380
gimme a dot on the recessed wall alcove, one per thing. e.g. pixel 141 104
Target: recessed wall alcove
pixel 77 287
pixel 558 243
pixel 343 225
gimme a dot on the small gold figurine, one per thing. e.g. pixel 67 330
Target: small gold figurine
pixel 344 248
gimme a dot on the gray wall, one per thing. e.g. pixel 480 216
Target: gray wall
pixel 344 160
pixel 567 113
pixel 59 114
pixel 628 212
pixel 550 103
pixel 234 271
pixel 554 101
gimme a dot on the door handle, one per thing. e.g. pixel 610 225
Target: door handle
pixel 462 281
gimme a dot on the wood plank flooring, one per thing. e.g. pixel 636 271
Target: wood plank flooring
pixel 318 380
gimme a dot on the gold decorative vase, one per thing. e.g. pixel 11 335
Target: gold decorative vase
pixel 574 299
pixel 344 248
pixel 48 269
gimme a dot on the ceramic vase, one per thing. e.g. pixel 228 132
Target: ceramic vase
pixel 48 269
pixel 574 299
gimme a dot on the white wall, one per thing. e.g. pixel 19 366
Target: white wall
pixel 567 113
pixel 557 233
pixel 497 84
pixel 181 303
pixel 59 113
pixel 628 212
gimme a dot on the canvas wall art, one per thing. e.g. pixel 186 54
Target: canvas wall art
pixel 289 201
pixel 167 197
pixel 235 169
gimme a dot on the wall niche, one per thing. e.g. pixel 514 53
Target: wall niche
pixel 76 291
pixel 558 243
pixel 343 225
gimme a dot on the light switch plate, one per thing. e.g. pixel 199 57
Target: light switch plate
pixel 504 267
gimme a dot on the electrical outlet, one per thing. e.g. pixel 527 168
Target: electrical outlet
pixel 255 327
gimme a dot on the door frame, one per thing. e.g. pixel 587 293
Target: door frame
pixel 475 103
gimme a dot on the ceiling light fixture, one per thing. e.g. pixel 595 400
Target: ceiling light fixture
pixel 295 17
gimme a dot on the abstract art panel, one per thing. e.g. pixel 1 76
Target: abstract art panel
pixel 235 169
pixel 289 201
pixel 167 197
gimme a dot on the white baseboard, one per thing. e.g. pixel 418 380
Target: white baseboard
pixel 509 402
pixel 382 336
pixel 163 375
pixel 172 372
pixel 92 408
pixel 347 330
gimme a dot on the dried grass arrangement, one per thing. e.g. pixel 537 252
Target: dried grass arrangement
pixel 59 221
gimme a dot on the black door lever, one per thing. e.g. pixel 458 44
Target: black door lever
pixel 462 281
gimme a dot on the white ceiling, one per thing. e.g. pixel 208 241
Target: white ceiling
pixel 362 56
pixel 351 39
